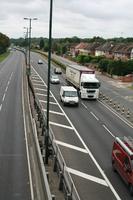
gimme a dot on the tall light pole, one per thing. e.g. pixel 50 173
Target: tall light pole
pixel 26 43
pixel 48 84
pixel 30 19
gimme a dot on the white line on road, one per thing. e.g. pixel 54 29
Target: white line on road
pixel 94 116
pixel 0 107
pixel 3 97
pixel 108 131
pixel 70 146
pixel 42 101
pixel 84 105
pixel 61 125
pixel 86 176
pixel 53 112
pixel 41 89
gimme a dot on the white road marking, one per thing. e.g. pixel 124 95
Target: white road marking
pixel 38 84
pixel 36 81
pixel 44 95
pixel 84 105
pixel 6 89
pixel 86 176
pixel 0 107
pixel 41 89
pixel 53 112
pixel 108 131
pixel 42 101
pixel 94 116
pixel 3 97
pixel 70 146
pixel 61 125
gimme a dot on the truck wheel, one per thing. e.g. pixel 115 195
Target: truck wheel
pixel 131 189
pixel 113 166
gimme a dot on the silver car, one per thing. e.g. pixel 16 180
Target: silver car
pixel 54 79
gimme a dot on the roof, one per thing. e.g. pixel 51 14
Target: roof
pixel 81 45
pixel 68 88
pixel 126 143
pixel 106 46
pixel 82 68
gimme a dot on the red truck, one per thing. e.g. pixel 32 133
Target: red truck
pixel 122 159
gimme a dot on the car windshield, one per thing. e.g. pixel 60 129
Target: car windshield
pixel 54 77
pixel 70 93
pixel 91 85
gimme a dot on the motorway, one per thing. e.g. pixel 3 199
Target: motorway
pixel 14 175
pixel 95 127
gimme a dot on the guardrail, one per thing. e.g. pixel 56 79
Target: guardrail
pixel 65 181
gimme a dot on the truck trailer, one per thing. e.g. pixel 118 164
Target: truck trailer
pixel 84 80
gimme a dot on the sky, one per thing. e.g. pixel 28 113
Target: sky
pixel 81 18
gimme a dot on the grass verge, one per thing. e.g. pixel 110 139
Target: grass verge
pixel 3 56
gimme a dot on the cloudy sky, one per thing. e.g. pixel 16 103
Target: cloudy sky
pixel 82 18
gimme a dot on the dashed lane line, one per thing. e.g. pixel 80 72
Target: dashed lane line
pixel 70 146
pixel 95 116
pixel 41 89
pixel 86 176
pixel 108 131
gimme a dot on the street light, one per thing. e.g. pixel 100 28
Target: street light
pixel 30 19
pixel 48 84
pixel 26 43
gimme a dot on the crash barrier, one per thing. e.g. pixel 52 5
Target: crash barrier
pixel 117 106
pixel 66 184
pixel 43 174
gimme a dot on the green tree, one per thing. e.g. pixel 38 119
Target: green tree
pixel 4 43
pixel 41 44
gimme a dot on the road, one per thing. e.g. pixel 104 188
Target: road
pixel 95 126
pixel 14 175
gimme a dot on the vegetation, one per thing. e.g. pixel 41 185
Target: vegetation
pixel 3 56
pixel 4 43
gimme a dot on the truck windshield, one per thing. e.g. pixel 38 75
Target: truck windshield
pixel 90 85
pixel 70 94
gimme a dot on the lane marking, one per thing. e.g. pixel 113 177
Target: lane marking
pixel 95 116
pixel 108 131
pixel 61 125
pixel 36 81
pixel 44 95
pixel 3 97
pixel 6 89
pixel 39 84
pixel 86 176
pixel 84 105
pixel 42 101
pixel 0 107
pixel 53 112
pixel 45 90
pixel 71 146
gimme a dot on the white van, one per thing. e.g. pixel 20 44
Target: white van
pixel 69 95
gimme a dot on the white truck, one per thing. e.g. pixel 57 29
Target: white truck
pixel 84 80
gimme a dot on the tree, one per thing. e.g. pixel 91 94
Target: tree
pixel 41 43
pixel 4 43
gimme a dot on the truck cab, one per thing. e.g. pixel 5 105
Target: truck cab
pixel 122 159
pixel 69 95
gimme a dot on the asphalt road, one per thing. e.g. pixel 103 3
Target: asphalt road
pixel 97 125
pixel 14 177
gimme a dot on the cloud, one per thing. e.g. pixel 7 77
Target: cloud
pixel 72 17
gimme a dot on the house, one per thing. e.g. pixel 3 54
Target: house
pixel 92 47
pixel 123 52
pixel 105 50
pixel 81 49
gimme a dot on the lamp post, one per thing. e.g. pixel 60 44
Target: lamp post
pixel 30 19
pixel 48 85
pixel 26 43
